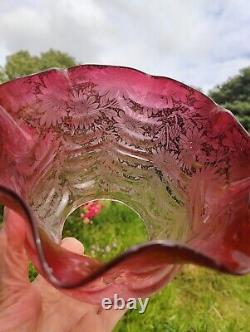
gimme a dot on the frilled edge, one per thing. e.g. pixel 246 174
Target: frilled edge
pixel 142 269
pixel 68 271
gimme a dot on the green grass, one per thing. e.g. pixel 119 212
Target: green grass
pixel 114 230
pixel 197 300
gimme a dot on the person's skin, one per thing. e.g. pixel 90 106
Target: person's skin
pixel 38 306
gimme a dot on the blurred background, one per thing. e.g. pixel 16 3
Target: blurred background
pixel 202 43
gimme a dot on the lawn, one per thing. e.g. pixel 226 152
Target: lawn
pixel 198 300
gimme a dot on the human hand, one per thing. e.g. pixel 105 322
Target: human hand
pixel 38 306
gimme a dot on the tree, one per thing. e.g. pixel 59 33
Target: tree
pixel 3 76
pixel 235 96
pixel 23 63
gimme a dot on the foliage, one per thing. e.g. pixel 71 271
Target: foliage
pixel 112 231
pixel 3 76
pixel 235 96
pixel 198 300
pixel 23 63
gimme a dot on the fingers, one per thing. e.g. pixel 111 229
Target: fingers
pixel 73 245
pixel 111 317
pixel 13 257
pixel 15 229
pixel 108 317
pixel 15 295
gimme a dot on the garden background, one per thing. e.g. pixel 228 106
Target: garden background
pixel 198 299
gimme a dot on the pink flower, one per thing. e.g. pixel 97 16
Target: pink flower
pixel 90 211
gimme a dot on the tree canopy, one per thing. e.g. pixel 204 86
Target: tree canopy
pixel 23 63
pixel 235 96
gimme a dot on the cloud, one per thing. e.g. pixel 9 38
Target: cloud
pixel 199 42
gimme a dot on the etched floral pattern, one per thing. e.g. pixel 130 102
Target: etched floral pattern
pixel 168 163
pixel 116 131
pixel 83 108
pixel 53 100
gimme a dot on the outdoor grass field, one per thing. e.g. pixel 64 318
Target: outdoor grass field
pixel 197 300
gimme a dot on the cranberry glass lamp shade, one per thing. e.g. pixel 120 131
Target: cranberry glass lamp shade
pixel 163 148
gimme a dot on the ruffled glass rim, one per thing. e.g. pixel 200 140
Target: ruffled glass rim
pixel 143 269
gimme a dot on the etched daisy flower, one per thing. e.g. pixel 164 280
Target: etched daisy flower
pixel 167 163
pixel 130 121
pixel 83 109
pixel 186 158
pixel 52 112
pixel 192 140
pixel 191 147
pixel 51 104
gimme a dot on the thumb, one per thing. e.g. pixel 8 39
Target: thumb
pixel 73 245
pixel 69 243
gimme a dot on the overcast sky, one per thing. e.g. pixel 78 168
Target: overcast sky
pixel 199 42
